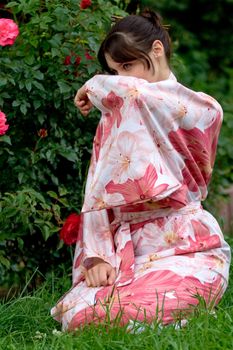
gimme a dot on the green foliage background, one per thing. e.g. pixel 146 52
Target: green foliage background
pixel 45 155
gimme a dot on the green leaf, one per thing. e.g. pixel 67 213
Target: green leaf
pixel 38 75
pixel 64 88
pixel 37 104
pixel 3 81
pixel 64 202
pixel 21 177
pixel 45 231
pixel 4 261
pixel 55 52
pixel 12 4
pixel 16 103
pixel 23 109
pixel 52 194
pixel 30 60
pixel 28 85
pixel 6 139
pixel 62 191
pixel 38 85
pixel 20 243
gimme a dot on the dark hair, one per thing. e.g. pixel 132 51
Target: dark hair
pixel 132 37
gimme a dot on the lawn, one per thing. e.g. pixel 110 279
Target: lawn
pixel 25 323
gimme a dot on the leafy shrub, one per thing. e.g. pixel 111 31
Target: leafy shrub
pixel 45 154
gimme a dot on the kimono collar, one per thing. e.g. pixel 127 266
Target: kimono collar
pixel 171 77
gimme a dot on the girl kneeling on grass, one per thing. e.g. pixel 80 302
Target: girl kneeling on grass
pixel 145 247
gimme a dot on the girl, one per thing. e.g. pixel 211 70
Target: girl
pixel 145 248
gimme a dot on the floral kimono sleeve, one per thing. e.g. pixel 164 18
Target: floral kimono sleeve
pixel 127 166
pixel 95 241
pixel 153 140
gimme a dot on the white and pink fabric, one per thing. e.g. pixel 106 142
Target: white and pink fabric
pixel 152 160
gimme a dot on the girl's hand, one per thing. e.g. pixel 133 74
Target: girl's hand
pixel 100 274
pixel 82 101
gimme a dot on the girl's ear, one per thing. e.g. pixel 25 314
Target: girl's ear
pixel 157 48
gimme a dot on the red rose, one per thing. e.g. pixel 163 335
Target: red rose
pixel 78 60
pixel 70 229
pixel 88 56
pixel 67 60
pixel 85 4
pixel 8 31
pixel 42 133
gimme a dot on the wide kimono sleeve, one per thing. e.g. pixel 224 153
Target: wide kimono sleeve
pixel 96 240
pixel 152 140
pixel 127 165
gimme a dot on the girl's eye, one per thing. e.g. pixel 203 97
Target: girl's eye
pixel 113 72
pixel 127 66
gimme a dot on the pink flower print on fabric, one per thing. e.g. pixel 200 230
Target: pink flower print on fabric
pixel 135 100
pixel 198 265
pixel 185 109
pixel 126 268
pixel 97 237
pixel 166 150
pixel 107 124
pixel 114 103
pixel 9 31
pixel 99 198
pixel 99 229
pixel 166 295
pixel 163 281
pixel 103 133
pixel 212 134
pixel 97 141
pixel 127 157
pixel 79 259
pixel 160 235
pixel 203 240
pixel 198 150
pixel 176 200
pixel 138 190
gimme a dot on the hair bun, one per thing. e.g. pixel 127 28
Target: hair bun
pixel 153 17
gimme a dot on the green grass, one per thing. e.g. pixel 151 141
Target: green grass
pixel 25 323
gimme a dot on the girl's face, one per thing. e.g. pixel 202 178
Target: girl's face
pixel 136 69
pixel 159 71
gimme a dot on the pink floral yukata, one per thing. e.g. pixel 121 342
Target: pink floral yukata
pixel 152 160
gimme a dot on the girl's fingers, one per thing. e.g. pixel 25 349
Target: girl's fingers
pixel 80 103
pixel 81 94
pixel 112 276
pixel 91 278
pixel 87 280
pixel 102 274
pixel 102 277
pixel 84 107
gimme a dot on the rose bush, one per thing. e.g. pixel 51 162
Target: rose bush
pixel 45 155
